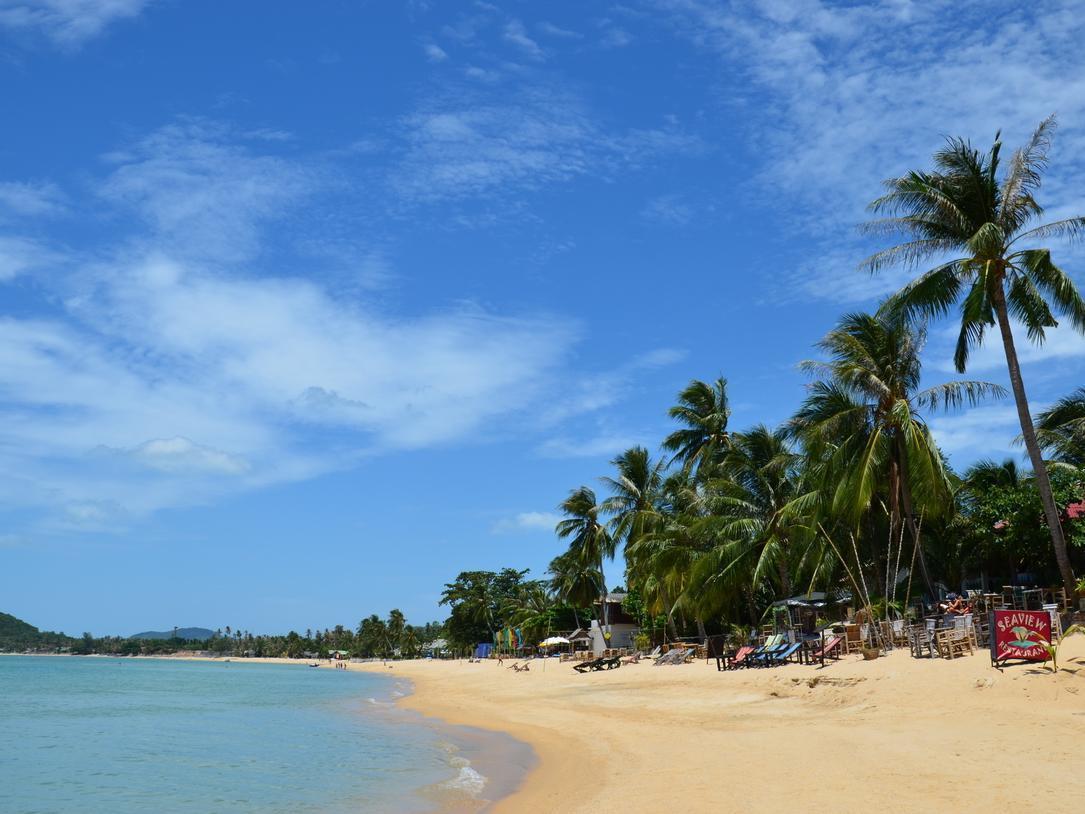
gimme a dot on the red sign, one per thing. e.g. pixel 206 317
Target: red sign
pixel 1017 635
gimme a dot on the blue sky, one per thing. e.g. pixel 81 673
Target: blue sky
pixel 309 307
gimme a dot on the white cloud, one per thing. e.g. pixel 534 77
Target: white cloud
pixel 670 209
pixel 516 34
pixel 1061 343
pixel 22 198
pixel 180 370
pixel 988 431
pixel 839 97
pixel 552 30
pixel 594 447
pixel 182 455
pixel 527 521
pixel 434 53
pixel 19 255
pixel 467 147
pixel 600 389
pixel 201 192
pixel 69 23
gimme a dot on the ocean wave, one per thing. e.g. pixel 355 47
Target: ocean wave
pixel 467 780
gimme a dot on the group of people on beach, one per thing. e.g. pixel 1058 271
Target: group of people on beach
pixel 955 605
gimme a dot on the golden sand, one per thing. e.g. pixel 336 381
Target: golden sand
pixel 895 734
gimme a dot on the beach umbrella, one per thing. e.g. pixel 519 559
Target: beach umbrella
pixel 553 640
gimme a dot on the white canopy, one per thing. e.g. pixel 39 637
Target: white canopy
pixel 553 640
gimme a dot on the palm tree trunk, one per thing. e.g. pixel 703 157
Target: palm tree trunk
pixel 702 634
pixel 1028 432
pixel 602 596
pixel 909 517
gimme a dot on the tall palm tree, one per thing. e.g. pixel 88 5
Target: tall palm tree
pixel 575 582
pixel 762 482
pixel 589 539
pixel 1061 429
pixel 704 411
pixel 964 208
pixel 864 417
pixel 659 562
pixel 633 493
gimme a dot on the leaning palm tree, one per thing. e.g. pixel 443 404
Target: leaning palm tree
pixel 589 539
pixel 1061 429
pixel 704 411
pixel 964 208
pixel 863 420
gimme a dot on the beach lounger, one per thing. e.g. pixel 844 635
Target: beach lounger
pixel 676 656
pixel 784 656
pixel 767 656
pixel 828 648
pixel 586 666
pixel 736 660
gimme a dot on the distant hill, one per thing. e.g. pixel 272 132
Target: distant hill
pixel 12 628
pixel 15 634
pixel 200 633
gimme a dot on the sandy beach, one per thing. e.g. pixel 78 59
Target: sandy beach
pixel 893 735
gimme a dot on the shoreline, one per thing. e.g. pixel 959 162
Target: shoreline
pixel 897 731
pixel 900 731
pixel 482 760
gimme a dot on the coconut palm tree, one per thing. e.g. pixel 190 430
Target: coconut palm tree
pixel 987 474
pixel 659 561
pixel 1061 429
pixel 754 509
pixel 704 411
pixel 863 419
pixel 575 582
pixel 589 539
pixel 634 490
pixel 966 211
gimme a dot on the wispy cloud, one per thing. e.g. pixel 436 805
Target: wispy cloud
pixel 552 30
pixel 68 23
pixel 19 255
pixel 596 446
pixel 177 374
pixel 465 147
pixel 28 199
pixel 434 53
pixel 516 34
pixel 527 521
pixel 670 209
pixel 992 429
pixel 839 97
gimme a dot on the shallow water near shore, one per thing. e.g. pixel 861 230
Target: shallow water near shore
pixel 127 735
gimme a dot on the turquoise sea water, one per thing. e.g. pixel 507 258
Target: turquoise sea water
pixel 124 735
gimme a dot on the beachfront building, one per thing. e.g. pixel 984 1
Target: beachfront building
pixel 619 630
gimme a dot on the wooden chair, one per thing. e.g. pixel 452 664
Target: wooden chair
pixel 1009 598
pixel 853 640
pixel 952 642
pixel 921 641
pixel 963 624
pixel 1056 621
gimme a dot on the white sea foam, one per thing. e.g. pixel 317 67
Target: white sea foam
pixel 468 781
